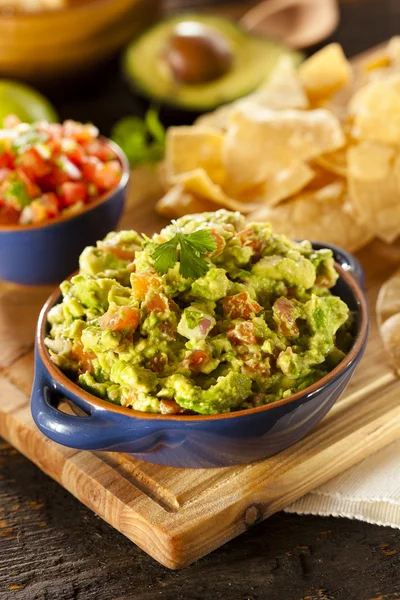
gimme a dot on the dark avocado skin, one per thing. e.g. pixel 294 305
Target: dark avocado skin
pixel 250 52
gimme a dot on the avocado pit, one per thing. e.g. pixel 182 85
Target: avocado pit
pixel 197 54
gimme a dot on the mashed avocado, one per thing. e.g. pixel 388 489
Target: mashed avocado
pixel 259 325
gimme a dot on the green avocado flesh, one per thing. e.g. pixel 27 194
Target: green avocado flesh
pixel 257 326
pixel 254 57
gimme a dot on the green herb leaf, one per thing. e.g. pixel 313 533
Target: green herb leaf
pixel 142 140
pixel 192 266
pixel 166 255
pixel 191 246
pixel 16 191
pixel 202 240
pixel 154 125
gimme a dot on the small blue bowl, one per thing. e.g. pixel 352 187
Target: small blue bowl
pixel 195 441
pixel 46 254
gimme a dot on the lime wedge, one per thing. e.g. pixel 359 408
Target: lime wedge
pixel 25 102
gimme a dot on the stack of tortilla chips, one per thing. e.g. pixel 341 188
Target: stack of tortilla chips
pixel 314 151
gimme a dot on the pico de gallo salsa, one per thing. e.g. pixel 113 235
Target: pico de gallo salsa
pixel 52 169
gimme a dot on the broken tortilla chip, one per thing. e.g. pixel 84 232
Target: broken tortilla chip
pixel 388 301
pixel 376 110
pixel 198 182
pixel 335 162
pixel 325 72
pixel 177 203
pixel 321 215
pixel 286 183
pixel 373 182
pixel 390 336
pixel 189 148
pixel 259 145
pixel 388 317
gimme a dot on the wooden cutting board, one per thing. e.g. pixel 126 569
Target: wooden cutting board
pixel 179 515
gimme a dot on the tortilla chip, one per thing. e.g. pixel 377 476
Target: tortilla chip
pixel 198 184
pixel 286 183
pixel 390 336
pixel 190 148
pixel 388 317
pixel 376 110
pixel 177 203
pixel 335 162
pixel 393 50
pixel 281 91
pixel 388 301
pixel 259 145
pixel 374 188
pixel 378 61
pixel 322 178
pixel 321 215
pixel 325 72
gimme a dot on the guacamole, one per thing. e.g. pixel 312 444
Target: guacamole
pixel 258 325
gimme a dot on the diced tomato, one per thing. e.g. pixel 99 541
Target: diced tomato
pixel 89 167
pixel 158 362
pixel 83 357
pixel 6 160
pixel 220 243
pixel 51 204
pixel 32 189
pixel 197 360
pixel 9 215
pixel 4 174
pixel 242 333
pixel 249 237
pixel 157 303
pixel 33 164
pixel 73 164
pixel 240 306
pixel 285 315
pixel 168 330
pixel 100 150
pixel 142 283
pixel 108 175
pixel 38 211
pixel 45 207
pixel 72 192
pixel 79 132
pixel 255 366
pixel 170 407
pixel 54 179
pixel 76 155
pixel 125 319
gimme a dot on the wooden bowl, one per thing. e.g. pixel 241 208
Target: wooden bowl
pixel 48 44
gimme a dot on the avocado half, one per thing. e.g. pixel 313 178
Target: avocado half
pixel 147 71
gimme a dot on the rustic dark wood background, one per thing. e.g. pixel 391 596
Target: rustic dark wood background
pixel 53 548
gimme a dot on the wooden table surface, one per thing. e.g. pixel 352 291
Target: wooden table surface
pixel 53 548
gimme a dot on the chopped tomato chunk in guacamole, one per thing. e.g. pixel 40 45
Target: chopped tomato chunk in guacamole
pixel 258 324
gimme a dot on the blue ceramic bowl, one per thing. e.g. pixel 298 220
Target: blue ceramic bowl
pixel 194 441
pixel 46 254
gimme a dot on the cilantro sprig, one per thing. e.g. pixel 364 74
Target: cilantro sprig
pixel 187 248
pixel 142 140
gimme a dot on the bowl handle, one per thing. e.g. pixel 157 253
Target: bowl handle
pixel 346 260
pixel 89 432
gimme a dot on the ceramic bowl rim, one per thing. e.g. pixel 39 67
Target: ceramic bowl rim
pixel 57 375
pixel 88 207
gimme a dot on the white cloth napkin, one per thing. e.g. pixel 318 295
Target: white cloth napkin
pixel 369 492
